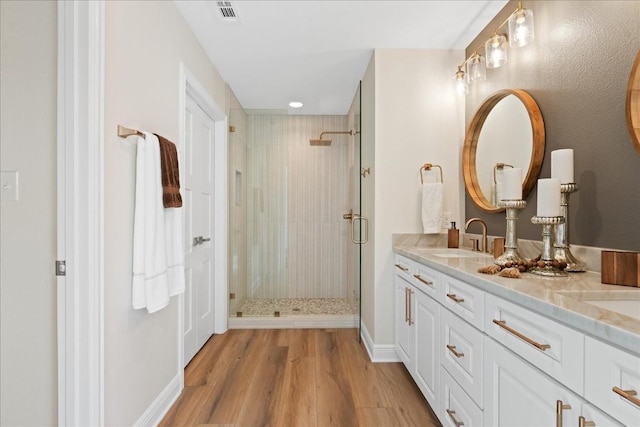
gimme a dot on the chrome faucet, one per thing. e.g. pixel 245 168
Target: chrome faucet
pixel 484 233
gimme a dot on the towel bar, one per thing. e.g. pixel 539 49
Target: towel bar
pixel 427 167
pixel 124 132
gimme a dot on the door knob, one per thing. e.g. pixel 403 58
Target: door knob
pixel 200 240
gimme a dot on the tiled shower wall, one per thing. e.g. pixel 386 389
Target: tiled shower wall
pixel 296 196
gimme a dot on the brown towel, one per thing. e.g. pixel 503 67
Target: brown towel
pixel 170 174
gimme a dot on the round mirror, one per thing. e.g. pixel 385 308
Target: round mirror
pixel 506 131
pixel 633 104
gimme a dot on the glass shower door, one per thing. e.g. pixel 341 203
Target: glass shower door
pixel 358 230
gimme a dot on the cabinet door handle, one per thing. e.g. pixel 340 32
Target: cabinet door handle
pixel 503 325
pixel 452 349
pixel 426 282
pixel 452 415
pixel 455 298
pixel 630 395
pixel 411 322
pixel 406 304
pixel 559 408
pixel 582 422
pixel 405 269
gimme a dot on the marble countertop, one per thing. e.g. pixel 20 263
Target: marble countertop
pixel 564 299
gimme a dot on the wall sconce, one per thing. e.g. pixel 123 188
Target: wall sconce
pixel 462 85
pixel 476 68
pixel 520 27
pixel 495 49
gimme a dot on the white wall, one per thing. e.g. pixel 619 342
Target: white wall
pixel 145 44
pixel 418 119
pixel 28 391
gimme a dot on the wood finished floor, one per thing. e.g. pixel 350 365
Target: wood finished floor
pixel 295 377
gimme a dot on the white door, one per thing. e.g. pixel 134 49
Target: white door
pixel 198 203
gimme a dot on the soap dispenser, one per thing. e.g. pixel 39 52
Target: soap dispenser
pixel 453 235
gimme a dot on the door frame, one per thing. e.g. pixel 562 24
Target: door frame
pixel 80 212
pixel 192 88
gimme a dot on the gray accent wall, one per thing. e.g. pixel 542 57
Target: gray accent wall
pixel 577 69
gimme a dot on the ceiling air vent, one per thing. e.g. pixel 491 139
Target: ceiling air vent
pixel 226 11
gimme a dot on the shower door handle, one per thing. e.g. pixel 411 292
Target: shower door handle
pixel 364 225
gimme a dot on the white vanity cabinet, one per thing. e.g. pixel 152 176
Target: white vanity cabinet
pixel 517 394
pixel 551 347
pixel 482 360
pixel 417 326
pixel 404 326
pixel 427 360
pixel 612 381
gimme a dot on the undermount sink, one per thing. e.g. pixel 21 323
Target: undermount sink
pixel 623 302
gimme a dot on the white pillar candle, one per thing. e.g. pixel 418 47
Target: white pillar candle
pixel 548 197
pixel 562 165
pixel 512 184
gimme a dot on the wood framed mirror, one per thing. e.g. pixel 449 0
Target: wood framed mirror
pixel 633 104
pixel 507 130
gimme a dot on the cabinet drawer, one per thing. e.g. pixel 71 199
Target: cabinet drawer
pixel 456 408
pixel 606 368
pixel 461 353
pixel 403 268
pixel 425 279
pixel 464 300
pixel 551 347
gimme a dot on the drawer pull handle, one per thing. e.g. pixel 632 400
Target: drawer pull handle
pixel 452 349
pixel 452 415
pixel 503 325
pixel 630 395
pixel 426 282
pixel 455 298
pixel 559 408
pixel 582 422
pixel 401 267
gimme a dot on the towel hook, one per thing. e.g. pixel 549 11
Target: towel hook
pixel 428 167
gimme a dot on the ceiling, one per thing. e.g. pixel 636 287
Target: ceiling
pixel 316 52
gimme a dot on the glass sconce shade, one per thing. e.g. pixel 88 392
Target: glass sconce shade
pixel 520 28
pixel 496 51
pixel 476 69
pixel 462 85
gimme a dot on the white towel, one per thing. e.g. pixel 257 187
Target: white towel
pixel 432 194
pixel 158 256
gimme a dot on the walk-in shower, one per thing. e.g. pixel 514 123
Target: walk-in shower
pixel 289 241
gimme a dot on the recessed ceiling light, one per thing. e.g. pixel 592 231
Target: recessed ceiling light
pixel 295 104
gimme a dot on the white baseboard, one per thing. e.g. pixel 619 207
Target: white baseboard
pixel 380 353
pixel 159 408
pixel 294 322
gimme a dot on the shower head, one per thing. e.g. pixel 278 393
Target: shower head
pixel 320 142
pixel 327 142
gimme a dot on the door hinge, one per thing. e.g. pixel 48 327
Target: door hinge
pixel 232 128
pixel 61 268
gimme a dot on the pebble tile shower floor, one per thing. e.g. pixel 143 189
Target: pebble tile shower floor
pixel 297 306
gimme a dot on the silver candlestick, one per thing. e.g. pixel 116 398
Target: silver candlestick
pixel 548 223
pixel 562 249
pixel 511 241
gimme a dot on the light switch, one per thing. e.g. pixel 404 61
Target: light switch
pixel 9 186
